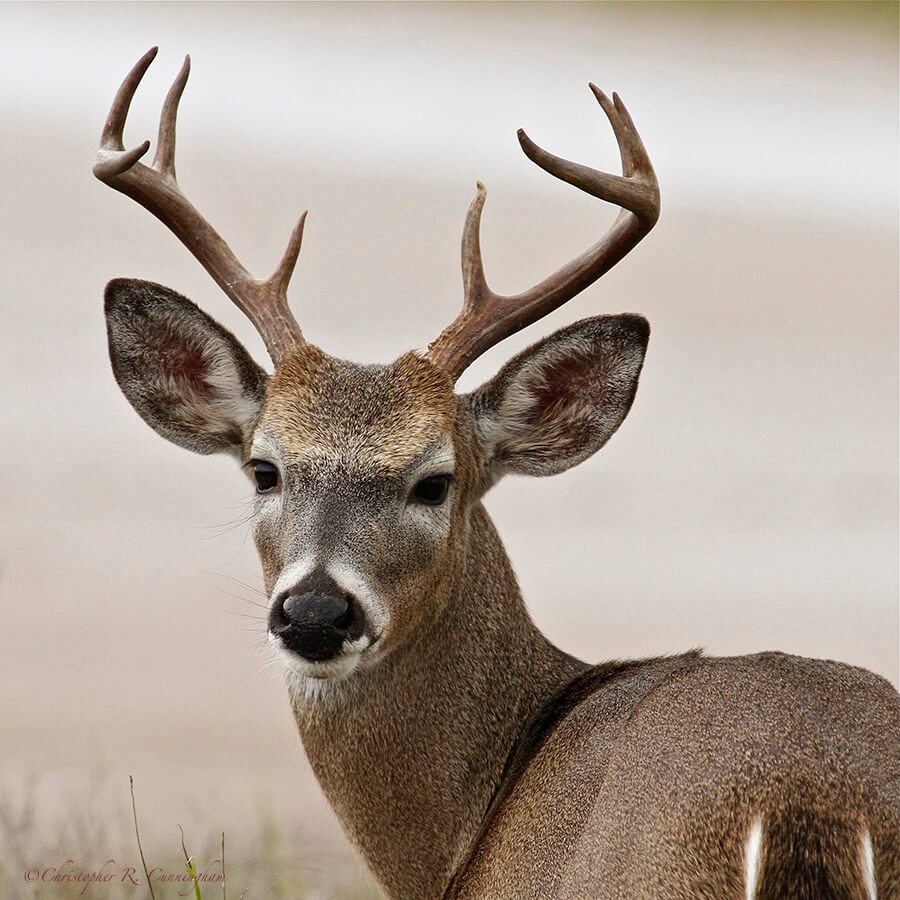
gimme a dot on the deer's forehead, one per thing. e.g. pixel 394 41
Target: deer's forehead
pixel 318 406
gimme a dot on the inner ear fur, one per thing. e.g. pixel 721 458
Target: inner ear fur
pixel 558 402
pixel 187 376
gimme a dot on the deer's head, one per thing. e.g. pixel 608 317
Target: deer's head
pixel 366 476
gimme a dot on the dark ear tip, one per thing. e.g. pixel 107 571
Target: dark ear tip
pixel 636 327
pixel 126 296
pixel 118 290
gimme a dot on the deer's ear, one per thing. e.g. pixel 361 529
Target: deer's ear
pixel 187 377
pixel 561 400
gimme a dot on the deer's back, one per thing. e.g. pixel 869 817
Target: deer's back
pixel 688 777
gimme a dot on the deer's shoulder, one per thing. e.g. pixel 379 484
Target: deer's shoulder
pixel 649 777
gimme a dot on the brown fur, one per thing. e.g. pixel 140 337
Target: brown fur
pixel 384 415
pixel 615 796
pixel 648 787
pixel 466 756
pixel 414 822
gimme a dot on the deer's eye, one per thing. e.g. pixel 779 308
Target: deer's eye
pixel 266 476
pixel 432 491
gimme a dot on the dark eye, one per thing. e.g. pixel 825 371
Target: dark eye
pixel 433 490
pixel 266 475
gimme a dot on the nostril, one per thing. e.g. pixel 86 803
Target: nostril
pixel 343 622
pixel 278 619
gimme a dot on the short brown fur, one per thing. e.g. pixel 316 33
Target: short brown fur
pixel 464 754
pixel 386 414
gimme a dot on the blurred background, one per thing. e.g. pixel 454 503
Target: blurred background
pixel 749 502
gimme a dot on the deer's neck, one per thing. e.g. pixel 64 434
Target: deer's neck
pixel 410 753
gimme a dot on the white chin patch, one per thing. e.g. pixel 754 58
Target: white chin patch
pixel 334 669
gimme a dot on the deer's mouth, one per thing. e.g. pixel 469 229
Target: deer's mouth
pixel 350 656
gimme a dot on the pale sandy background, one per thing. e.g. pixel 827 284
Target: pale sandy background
pixel 748 503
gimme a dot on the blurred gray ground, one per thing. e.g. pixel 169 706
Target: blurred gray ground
pixel 748 503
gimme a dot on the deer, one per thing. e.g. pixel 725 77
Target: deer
pixel 464 754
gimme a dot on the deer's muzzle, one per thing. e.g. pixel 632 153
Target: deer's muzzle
pixel 314 625
pixel 316 617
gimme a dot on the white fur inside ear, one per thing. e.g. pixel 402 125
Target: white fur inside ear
pixel 209 392
pixel 559 402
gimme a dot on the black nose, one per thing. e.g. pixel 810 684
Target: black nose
pixel 315 618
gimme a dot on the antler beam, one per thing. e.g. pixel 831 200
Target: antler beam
pixel 487 318
pixel 156 189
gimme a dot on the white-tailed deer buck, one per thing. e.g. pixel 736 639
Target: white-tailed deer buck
pixel 464 754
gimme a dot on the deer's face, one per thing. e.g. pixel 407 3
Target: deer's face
pixel 365 476
pixel 362 480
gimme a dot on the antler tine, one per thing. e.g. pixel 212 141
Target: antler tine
pixel 280 278
pixel 164 161
pixel 155 188
pixel 474 282
pixel 113 128
pixel 487 317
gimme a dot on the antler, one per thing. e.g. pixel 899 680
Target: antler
pixel 155 188
pixel 487 318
